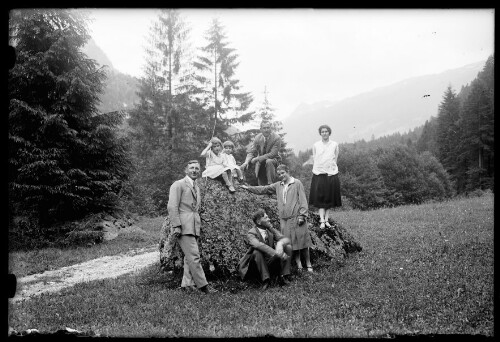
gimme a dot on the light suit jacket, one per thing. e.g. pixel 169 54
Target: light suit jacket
pixel 183 205
pixel 256 241
pixel 256 149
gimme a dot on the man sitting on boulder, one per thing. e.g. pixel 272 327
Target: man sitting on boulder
pixel 264 153
pixel 262 260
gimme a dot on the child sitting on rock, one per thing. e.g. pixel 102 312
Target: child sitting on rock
pixel 231 162
pixel 217 164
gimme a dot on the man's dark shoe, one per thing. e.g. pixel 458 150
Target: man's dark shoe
pixel 188 288
pixel 208 289
pixel 283 281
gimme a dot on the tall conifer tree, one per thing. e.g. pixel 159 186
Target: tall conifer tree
pixel 448 131
pixel 218 83
pixel 167 111
pixel 65 158
pixel 157 118
pixel 477 140
pixel 427 140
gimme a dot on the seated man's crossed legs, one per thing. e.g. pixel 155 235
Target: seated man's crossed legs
pixel 270 269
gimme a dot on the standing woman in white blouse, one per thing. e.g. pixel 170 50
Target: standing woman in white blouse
pixel 325 184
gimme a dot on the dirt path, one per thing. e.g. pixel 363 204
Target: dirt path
pixel 101 268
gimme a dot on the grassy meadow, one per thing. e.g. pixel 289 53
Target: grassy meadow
pixel 23 263
pixel 424 269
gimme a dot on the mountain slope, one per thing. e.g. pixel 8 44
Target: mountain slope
pixel 394 108
pixel 92 50
pixel 120 89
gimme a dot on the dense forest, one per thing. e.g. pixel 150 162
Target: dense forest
pixel 70 158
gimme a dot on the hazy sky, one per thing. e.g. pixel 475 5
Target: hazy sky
pixel 310 55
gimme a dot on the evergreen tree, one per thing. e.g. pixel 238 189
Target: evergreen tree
pixel 65 159
pixel 217 83
pixel 157 117
pixel 477 140
pixel 168 110
pixel 448 132
pixel 172 34
pixel 427 140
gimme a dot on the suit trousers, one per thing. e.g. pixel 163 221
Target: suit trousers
pixel 193 272
pixel 267 266
pixel 267 172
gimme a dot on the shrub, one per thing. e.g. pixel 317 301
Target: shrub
pixel 439 185
pixel 402 174
pixel 476 193
pixel 83 237
pixel 25 233
pixel 361 180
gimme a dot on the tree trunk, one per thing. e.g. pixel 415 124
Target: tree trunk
pixel 215 91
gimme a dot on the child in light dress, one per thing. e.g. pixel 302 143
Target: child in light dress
pixel 228 147
pixel 217 164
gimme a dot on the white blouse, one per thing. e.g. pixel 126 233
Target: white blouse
pixel 325 157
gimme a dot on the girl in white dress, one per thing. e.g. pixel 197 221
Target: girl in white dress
pixel 228 147
pixel 217 165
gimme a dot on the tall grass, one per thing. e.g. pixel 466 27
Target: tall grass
pixel 424 269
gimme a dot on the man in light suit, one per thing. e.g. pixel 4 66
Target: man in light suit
pixel 262 260
pixel 183 204
pixel 264 154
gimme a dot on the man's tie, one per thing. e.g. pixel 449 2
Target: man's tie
pixel 195 187
pixel 264 150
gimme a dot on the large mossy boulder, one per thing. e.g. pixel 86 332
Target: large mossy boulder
pixel 226 219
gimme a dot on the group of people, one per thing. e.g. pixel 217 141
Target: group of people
pixel 221 162
pixel 264 153
pixel 270 253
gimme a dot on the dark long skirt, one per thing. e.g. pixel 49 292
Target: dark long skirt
pixel 325 191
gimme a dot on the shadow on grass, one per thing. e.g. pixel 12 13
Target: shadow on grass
pixel 154 277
